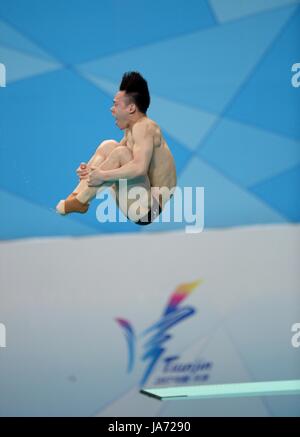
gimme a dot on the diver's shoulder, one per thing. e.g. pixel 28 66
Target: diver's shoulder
pixel 147 124
pixel 153 126
pixel 150 121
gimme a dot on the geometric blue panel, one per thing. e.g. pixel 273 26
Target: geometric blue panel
pixel 21 219
pixel 10 38
pixel 225 203
pixel 268 100
pixel 283 193
pixel 226 10
pixel 61 119
pixel 54 115
pixel 20 66
pixel 194 123
pixel 76 31
pixel 247 154
pixel 203 69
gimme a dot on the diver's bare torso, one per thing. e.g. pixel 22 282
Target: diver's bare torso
pixel 162 170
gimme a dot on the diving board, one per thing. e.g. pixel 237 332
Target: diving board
pixel 263 388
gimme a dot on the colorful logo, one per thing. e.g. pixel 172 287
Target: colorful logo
pixel 156 345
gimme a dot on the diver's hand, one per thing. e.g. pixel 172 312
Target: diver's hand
pixel 83 171
pixel 94 178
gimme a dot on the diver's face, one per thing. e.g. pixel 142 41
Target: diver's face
pixel 120 110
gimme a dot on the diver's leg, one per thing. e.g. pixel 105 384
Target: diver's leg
pixel 119 156
pixel 101 154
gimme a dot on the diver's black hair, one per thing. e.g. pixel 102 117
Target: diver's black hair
pixel 136 89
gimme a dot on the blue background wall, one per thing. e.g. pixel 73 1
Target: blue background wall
pixel 219 74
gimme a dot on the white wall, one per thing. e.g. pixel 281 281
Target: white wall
pixel 67 355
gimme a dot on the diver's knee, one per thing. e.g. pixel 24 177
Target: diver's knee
pixel 107 146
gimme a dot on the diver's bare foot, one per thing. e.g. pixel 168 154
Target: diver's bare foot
pixel 71 204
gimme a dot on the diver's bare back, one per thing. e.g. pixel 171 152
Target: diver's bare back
pixel 162 170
